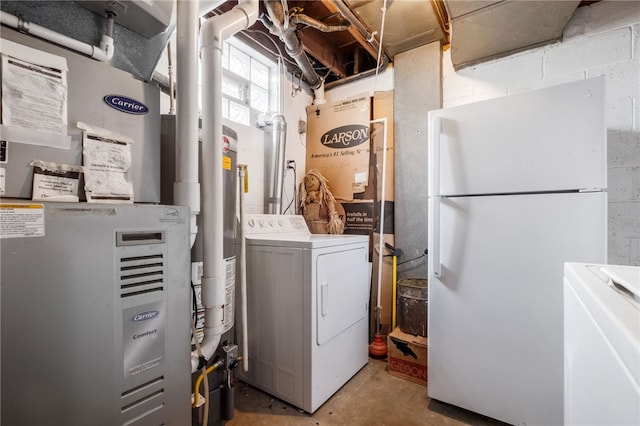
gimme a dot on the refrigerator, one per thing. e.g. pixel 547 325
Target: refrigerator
pixel 517 187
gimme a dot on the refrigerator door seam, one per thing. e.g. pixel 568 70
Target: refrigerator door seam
pixel 500 194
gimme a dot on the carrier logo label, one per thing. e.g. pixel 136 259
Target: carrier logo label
pixel 345 136
pixel 124 104
pixel 143 316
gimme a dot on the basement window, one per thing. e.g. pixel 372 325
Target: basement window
pixel 249 85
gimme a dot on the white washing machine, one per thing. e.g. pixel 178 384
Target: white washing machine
pixel 308 309
pixel 602 344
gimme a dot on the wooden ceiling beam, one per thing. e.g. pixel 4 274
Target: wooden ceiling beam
pixel 352 30
pixel 316 45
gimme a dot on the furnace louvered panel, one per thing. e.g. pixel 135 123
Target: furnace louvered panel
pixel 141 274
pixel 144 404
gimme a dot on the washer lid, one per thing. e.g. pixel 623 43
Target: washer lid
pixel 305 241
pixel 626 279
pixel 616 314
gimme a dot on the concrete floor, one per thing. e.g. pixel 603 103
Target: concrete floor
pixel 371 397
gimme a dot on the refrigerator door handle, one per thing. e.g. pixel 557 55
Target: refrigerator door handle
pixel 433 237
pixel 433 231
pixel 434 155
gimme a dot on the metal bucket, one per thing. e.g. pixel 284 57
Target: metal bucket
pixel 411 306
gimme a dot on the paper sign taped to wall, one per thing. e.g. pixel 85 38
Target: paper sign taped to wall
pixel 34 96
pixel 107 164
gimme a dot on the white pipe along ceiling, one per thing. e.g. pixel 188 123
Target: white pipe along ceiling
pixel 104 52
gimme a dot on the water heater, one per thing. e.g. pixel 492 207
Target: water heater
pixel 95 313
pixel 229 147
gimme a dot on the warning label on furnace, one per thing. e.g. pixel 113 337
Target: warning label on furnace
pixel 21 220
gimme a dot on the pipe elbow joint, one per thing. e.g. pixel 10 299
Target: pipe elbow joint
pixel 251 8
pixel 23 25
pixel 218 28
pixel 105 52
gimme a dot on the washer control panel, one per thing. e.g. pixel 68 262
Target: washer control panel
pixel 275 224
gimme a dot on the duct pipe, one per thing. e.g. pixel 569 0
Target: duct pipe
pixel 213 33
pixel 186 188
pixel 292 43
pixel 103 53
pixel 278 146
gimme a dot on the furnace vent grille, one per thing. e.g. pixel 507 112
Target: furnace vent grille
pixel 141 274
pixel 143 404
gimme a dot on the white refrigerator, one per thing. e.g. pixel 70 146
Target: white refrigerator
pixel 517 187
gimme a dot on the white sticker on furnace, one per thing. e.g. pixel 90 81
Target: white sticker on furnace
pixel 21 220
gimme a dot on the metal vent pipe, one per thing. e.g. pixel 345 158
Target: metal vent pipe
pixel 275 160
pixel 276 24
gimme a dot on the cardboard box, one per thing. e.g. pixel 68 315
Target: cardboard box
pixel 338 144
pixel 407 356
pixel 361 217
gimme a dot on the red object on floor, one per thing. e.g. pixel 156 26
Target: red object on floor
pixel 378 348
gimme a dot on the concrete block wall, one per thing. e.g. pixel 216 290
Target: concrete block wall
pixel 601 39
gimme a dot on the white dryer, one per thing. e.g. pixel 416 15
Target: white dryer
pixel 308 298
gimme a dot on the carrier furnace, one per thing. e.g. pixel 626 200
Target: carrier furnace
pixel 95 314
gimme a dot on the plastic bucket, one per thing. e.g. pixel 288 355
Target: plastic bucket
pixel 411 306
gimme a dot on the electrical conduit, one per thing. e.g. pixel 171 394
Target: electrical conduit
pixel 102 53
pixel 383 177
pixel 213 33
pixel 243 182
